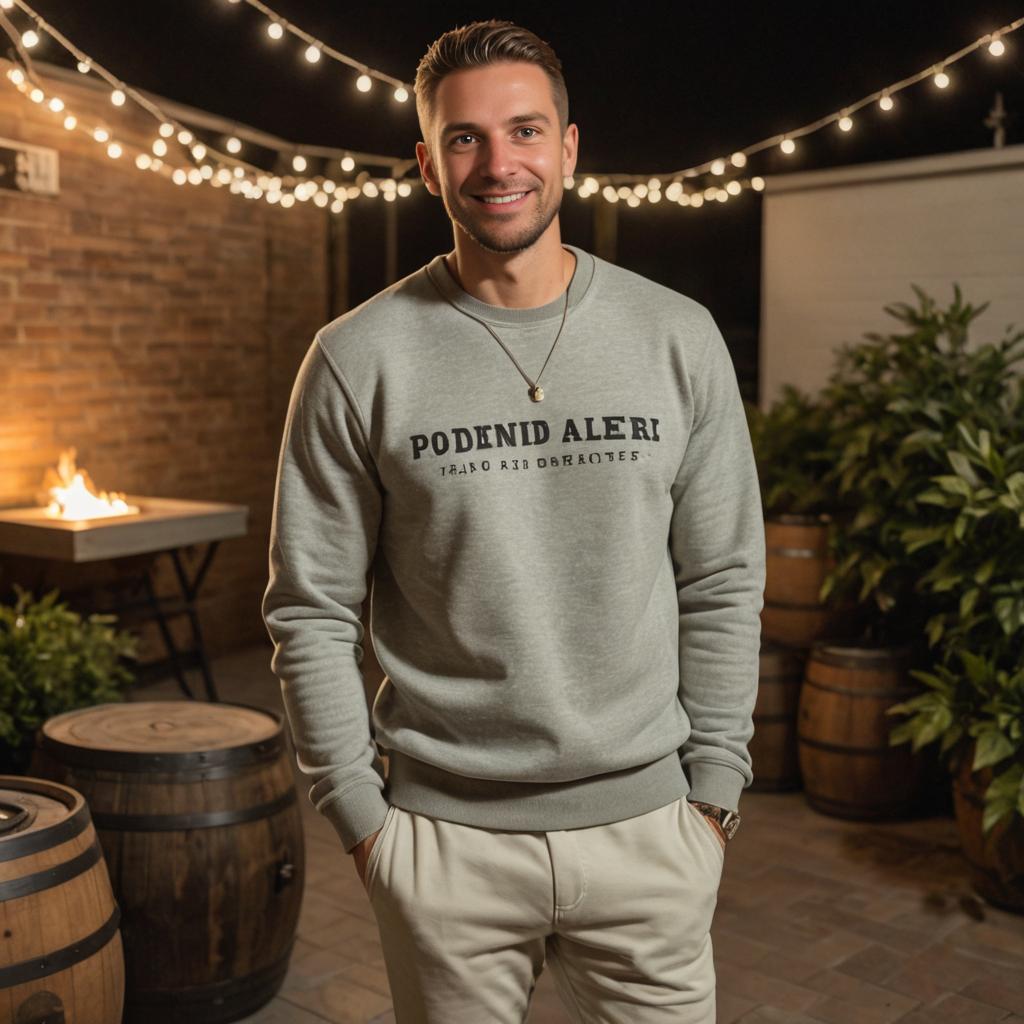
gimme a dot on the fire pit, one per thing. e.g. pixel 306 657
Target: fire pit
pixel 79 524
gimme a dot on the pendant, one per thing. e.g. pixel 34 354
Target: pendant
pixel 537 393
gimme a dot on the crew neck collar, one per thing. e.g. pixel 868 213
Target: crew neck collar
pixel 445 283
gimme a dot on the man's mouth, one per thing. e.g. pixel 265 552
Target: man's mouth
pixel 508 199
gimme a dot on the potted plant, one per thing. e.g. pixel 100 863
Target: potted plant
pixel 974 703
pixel 52 660
pixel 895 401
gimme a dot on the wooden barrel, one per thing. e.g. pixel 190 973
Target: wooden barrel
pixel 60 953
pixel 797 562
pixel 773 747
pixel 195 806
pixel 996 860
pixel 848 767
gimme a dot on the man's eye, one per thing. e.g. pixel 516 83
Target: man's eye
pixel 459 138
pixel 526 129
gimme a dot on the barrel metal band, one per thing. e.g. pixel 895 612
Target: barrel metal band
pixel 61 959
pixel 178 822
pixel 51 877
pixel 22 844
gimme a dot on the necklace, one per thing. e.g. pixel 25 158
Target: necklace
pixel 535 391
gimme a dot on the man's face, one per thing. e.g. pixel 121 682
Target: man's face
pixel 495 135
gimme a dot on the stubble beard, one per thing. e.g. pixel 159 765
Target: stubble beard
pixel 496 241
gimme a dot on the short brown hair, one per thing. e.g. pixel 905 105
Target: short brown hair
pixel 477 45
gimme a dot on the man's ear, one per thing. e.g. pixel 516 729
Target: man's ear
pixel 570 150
pixel 427 172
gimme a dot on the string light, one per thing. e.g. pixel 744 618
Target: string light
pixel 117 97
pixel 233 145
pixel 787 146
pixel 29 39
pixel 278 25
pixel 997 48
pixel 845 123
pixel 885 101
pixel 941 79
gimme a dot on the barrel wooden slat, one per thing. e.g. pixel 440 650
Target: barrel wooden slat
pixel 196 808
pixel 848 767
pixel 61 956
pixel 797 561
pixel 773 747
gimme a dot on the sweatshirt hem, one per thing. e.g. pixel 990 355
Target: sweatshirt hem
pixel 426 789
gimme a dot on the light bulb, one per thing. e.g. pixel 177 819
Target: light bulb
pixel 733 188
pixel 674 191
pixel 29 39
pixel 941 79
pixel 337 206
pixel 233 145
pixel 100 134
pixel 654 196
pixel 16 75
pixel 83 66
pixel 321 199
pixel 683 200
pixel 313 54
pixel 404 188
pixel 184 137
pixel 142 161
pixel 609 193
pixel 757 184
pixel 787 145
pixel 194 177
pixel 288 200
pixel 353 192
pixel 166 130
pixel 348 164
pixel 179 177
pixel 370 189
pixel 299 163
pixel 239 172
pixel 37 95
pixel 568 181
pixel 696 200
pixel 56 104
pixel 591 184
pixel 70 121
pixel 401 94
pixel 329 186
pixel 114 150
pixel 389 197
pixel 886 102
pixel 199 151
pixel 738 159
pixel 6 5
pixel 159 147
pixel 275 29
pixel 845 123
pixel 364 83
pixel 997 48
pixel 388 185
pixel 639 191
pixel 722 195
pixel 624 192
pixel 117 97
pixel 206 171
pixel 717 166
pixel 633 200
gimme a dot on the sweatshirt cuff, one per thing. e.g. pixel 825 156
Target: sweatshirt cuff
pixel 714 783
pixel 356 815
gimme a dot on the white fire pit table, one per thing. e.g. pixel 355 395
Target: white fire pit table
pixel 161 526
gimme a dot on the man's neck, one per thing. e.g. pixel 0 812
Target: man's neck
pixel 520 280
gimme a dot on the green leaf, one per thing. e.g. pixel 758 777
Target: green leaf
pixel 992 748
pixel 963 468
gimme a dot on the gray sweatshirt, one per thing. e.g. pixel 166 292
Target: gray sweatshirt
pixel 566 594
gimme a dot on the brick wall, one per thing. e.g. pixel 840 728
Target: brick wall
pixel 157 328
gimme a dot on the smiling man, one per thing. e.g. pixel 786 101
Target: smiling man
pixel 567 579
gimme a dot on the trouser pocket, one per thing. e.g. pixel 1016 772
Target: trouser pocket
pixel 375 853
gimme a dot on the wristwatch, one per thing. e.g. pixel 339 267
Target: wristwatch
pixel 729 820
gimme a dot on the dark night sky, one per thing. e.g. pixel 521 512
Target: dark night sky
pixel 652 88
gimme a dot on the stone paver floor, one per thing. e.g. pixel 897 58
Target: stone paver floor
pixel 818 919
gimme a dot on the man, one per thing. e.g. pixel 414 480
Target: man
pixel 545 460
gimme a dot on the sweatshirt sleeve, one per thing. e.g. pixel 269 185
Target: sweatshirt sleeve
pixel 323 536
pixel 718 552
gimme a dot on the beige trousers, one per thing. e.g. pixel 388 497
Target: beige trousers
pixel 622 913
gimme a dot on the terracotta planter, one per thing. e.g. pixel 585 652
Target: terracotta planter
pixel 995 861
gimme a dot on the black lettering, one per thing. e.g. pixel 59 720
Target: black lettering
pixel 612 426
pixel 570 433
pixel 419 444
pixel 439 442
pixel 639 428
pixel 482 441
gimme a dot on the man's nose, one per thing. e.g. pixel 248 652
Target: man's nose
pixel 498 159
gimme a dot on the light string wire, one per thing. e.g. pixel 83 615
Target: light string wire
pixel 329 51
pixel 592 182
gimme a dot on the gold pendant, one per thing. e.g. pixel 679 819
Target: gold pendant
pixel 537 393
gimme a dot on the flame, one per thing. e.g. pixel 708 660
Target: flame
pixel 72 495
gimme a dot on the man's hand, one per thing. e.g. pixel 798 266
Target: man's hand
pixel 712 821
pixel 361 854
